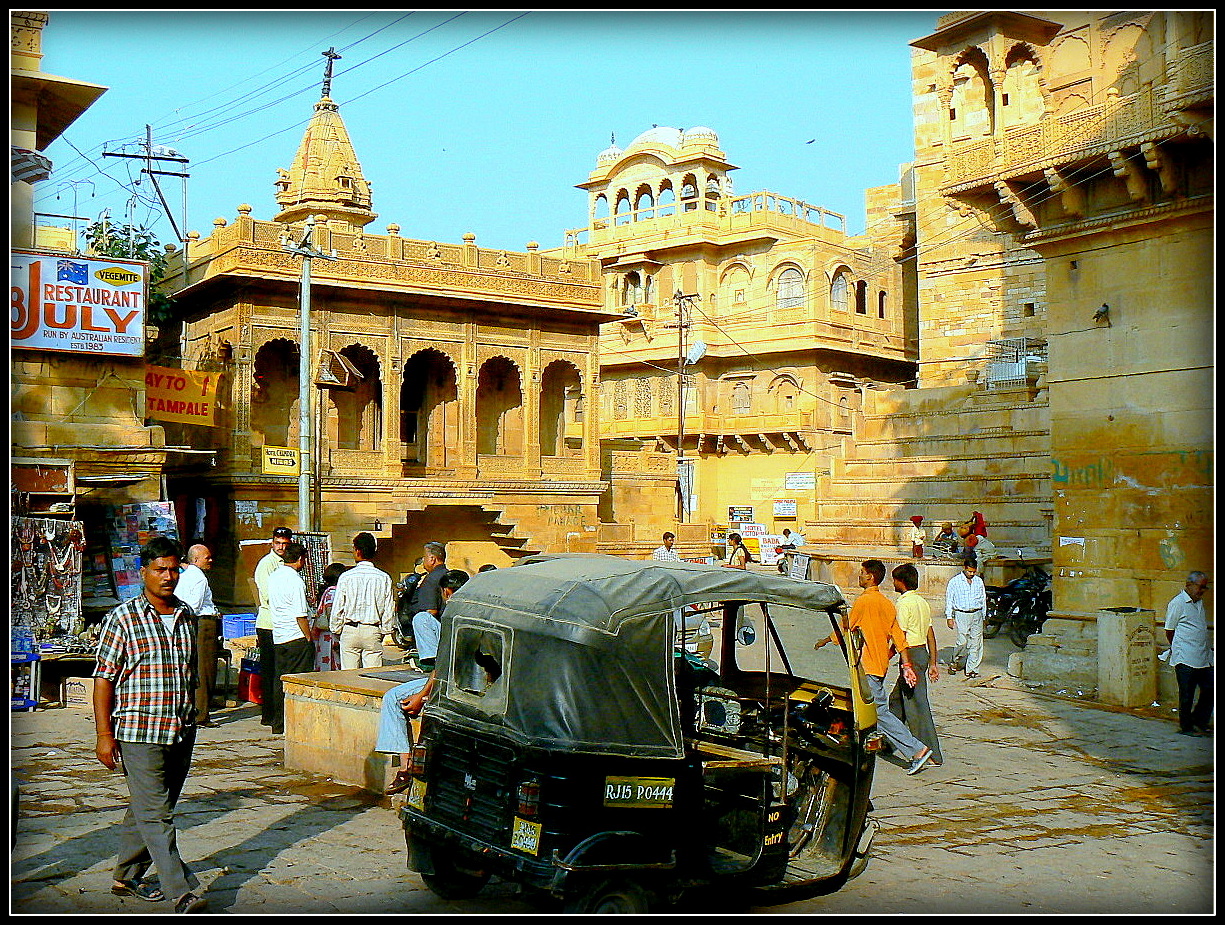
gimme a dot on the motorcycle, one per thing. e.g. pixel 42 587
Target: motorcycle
pixel 1019 607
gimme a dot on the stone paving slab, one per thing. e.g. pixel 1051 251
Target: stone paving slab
pixel 1043 805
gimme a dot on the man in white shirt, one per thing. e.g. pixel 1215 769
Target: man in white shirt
pixel 193 590
pixel 965 610
pixel 292 632
pixel 263 620
pixel 792 538
pixel 364 608
pixel 665 553
pixel 1186 627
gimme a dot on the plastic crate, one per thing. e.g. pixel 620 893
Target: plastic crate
pixel 249 687
pixel 237 625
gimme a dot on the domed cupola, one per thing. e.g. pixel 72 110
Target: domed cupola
pixel 700 135
pixel 609 155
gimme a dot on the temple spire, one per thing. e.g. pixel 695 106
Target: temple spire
pixel 331 55
pixel 326 176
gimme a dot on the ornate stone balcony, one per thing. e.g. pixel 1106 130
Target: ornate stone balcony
pixel 1027 151
pixel 257 248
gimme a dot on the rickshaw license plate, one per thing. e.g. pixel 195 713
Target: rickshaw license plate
pixel 525 836
pixel 416 794
pixel 639 792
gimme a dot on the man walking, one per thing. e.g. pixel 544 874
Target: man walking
pixel 666 553
pixel 364 609
pixel 263 621
pixel 194 591
pixel 292 632
pixel 1186 627
pixel 876 618
pixel 965 610
pixel 911 704
pixel 144 716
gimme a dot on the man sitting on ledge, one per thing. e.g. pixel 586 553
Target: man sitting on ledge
pixel 406 700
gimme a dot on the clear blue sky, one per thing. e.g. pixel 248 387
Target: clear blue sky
pixel 492 137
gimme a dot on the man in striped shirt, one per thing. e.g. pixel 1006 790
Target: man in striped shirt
pixel 145 717
pixel 965 609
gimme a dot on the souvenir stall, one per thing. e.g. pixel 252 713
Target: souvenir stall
pixel 46 619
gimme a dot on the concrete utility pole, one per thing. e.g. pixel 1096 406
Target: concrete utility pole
pixel 683 479
pixel 307 251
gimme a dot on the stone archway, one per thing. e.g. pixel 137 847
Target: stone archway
pixel 274 392
pixel 429 412
pixel 499 409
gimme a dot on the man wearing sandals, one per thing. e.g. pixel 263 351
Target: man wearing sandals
pixel 145 716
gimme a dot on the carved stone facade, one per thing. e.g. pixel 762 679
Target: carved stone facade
pixel 1079 147
pixel 784 317
pixel 456 399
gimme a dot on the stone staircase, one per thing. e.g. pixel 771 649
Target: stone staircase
pixel 941 453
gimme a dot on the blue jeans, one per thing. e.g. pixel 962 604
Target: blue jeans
pixel 393 722
pixel 894 729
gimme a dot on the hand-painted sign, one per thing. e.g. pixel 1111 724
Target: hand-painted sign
pixel 280 460
pixel 78 304
pixel 180 395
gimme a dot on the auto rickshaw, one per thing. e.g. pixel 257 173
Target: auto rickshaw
pixel 573 746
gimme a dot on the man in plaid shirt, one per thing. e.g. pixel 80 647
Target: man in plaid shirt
pixel 145 714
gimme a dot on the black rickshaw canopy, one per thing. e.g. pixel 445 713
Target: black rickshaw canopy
pixel 578 650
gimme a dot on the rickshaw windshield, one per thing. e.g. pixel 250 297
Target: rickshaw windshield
pixel 789 647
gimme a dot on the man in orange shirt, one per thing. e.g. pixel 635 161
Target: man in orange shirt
pixel 876 618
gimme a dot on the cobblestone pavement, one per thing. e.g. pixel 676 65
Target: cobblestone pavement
pixel 1043 805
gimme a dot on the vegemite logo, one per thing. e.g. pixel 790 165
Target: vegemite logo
pixel 69 271
pixel 116 276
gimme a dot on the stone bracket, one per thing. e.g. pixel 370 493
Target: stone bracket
pixel 1132 174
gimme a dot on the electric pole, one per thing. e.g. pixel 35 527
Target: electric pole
pixel 307 251
pixel 170 155
pixel 684 479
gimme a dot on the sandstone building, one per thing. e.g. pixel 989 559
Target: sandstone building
pixel 778 319
pixel 453 386
pixel 1071 153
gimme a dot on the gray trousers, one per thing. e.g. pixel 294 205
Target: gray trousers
pixel 155 775
pixel 892 727
pixel 912 706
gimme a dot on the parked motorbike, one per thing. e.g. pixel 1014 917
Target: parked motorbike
pixel 1019 607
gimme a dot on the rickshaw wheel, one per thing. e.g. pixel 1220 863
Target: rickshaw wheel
pixel 449 880
pixel 613 897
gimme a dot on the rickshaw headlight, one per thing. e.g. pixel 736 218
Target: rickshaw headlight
pixel 874 742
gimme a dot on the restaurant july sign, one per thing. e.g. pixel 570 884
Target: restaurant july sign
pixel 86 305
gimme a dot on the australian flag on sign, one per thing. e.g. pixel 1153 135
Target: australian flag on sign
pixel 71 272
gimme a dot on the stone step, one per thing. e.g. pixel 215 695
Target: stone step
pixel 968 445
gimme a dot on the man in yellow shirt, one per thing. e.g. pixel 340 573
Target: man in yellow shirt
pixel 911 704
pixel 876 618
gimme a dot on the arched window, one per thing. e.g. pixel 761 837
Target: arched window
pixel 861 298
pixel 689 194
pixel 880 304
pixel 838 294
pixel 499 409
pixel 623 208
pixel 712 194
pixel 667 199
pixel 601 207
pixel 790 289
pixel 644 204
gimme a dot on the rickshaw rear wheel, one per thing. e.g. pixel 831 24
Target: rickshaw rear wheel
pixel 613 897
pixel 450 879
